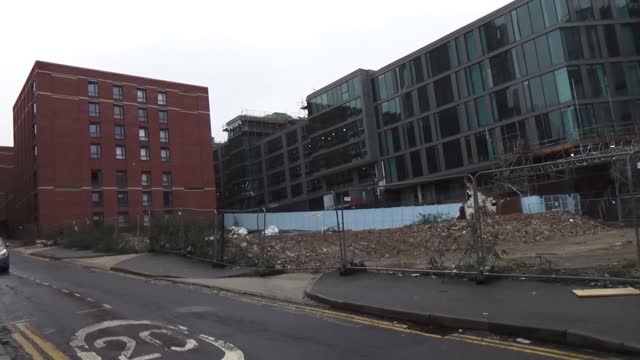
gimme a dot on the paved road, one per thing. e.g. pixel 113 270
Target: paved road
pixel 70 312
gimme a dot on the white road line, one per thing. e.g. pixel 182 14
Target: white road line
pixel 89 310
pixel 90 300
pixel 106 306
pixel 76 294
pixel 45 284
pixel 65 291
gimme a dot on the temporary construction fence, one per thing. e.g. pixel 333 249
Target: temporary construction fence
pixel 268 246
pixel 584 235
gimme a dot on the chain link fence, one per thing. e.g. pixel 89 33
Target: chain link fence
pixel 574 221
pixel 424 235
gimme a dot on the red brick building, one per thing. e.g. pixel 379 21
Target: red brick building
pixel 7 164
pixel 104 146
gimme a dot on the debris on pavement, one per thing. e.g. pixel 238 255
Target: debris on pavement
pixel 271 230
pixel 237 231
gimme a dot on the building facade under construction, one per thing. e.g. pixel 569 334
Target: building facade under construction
pixel 533 82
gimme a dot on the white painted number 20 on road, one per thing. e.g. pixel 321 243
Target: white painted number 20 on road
pixel 87 343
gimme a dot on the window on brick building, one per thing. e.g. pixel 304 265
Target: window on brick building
pixel 119 132
pixel 143 134
pixel 165 155
pixel 122 179
pixel 167 198
pixel 146 219
pixel 123 199
pixel 95 150
pixel 146 198
pixel 144 153
pixel 94 109
pixel 167 180
pixel 143 114
pixel 164 135
pixel 93 88
pixel 121 152
pixel 123 219
pixel 94 130
pixel 96 178
pixel 96 199
pixel 163 116
pixel 141 95
pixel 97 218
pixel 118 112
pixel 162 98
pixel 145 178
pixel 118 92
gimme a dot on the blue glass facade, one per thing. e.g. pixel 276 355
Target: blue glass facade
pixel 537 73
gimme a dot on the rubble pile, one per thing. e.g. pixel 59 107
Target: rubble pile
pixel 414 244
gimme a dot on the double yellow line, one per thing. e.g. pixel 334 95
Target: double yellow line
pixel 506 345
pixel 34 344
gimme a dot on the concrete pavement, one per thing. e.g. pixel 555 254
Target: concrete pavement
pixel 533 310
pixel 74 312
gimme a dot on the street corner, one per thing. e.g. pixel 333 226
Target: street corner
pixel 142 339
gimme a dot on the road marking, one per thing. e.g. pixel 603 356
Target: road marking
pixel 76 294
pixel 66 291
pixel 230 352
pixel 538 348
pixel 46 346
pixel 106 306
pixel 85 352
pixel 405 329
pixel 89 310
pixel 26 345
pixel 90 300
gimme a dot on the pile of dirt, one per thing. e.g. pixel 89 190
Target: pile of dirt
pixel 435 244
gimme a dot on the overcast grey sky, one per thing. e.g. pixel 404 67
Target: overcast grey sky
pixel 252 54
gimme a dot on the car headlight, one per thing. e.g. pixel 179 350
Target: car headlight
pixel 4 253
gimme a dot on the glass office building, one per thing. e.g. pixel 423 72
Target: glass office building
pixel 537 74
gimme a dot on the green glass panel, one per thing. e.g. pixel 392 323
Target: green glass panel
pixel 537 16
pixel 472 48
pixel 531 57
pixel 562 10
pixel 563 85
pixel 632 71
pixel 569 121
pixel 555 44
pixel 482 112
pixel 549 12
pixel 550 91
pixel 544 57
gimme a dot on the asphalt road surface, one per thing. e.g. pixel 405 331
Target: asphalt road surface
pixel 55 310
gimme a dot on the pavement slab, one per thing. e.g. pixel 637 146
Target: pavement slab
pixel 286 286
pixel 172 266
pixel 60 253
pixel 516 303
pixel 104 262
